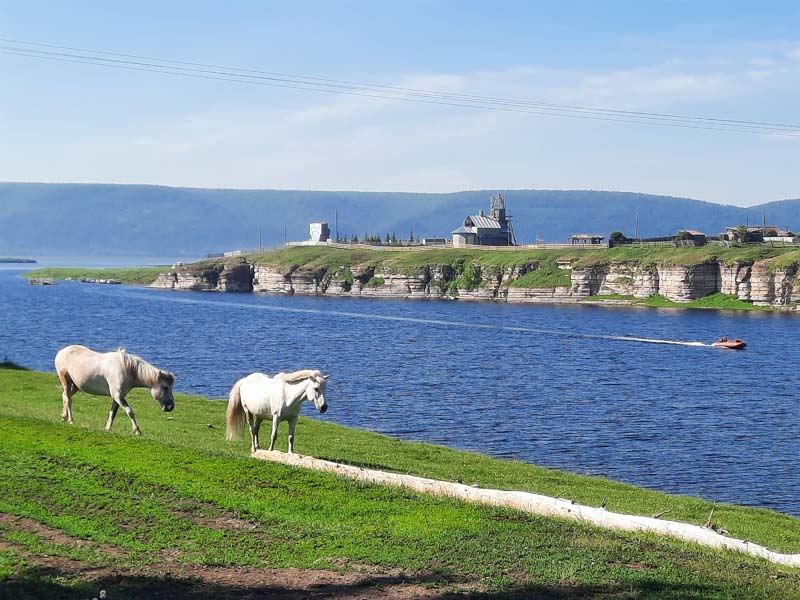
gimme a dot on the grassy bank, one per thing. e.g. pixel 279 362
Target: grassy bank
pixel 160 512
pixel 544 274
pixel 713 302
pixel 314 257
pixel 129 275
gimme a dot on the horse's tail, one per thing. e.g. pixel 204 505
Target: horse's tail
pixel 235 415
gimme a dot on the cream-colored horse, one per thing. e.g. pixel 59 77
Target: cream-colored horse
pixel 257 397
pixel 114 374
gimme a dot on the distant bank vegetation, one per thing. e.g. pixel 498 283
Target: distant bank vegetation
pixel 12 259
pixel 129 275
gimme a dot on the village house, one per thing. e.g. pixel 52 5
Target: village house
pixel 493 229
pixel 586 239
pixel 761 233
pixel 698 238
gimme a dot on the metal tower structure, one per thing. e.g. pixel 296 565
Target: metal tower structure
pixel 498 211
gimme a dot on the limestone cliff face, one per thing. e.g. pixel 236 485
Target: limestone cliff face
pixel 760 283
pixel 687 283
pixel 735 280
pixel 774 287
pixel 230 276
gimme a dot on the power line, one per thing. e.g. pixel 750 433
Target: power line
pixel 283 80
pixel 414 90
pixel 294 84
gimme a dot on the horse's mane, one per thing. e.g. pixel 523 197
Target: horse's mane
pixel 140 370
pixel 298 375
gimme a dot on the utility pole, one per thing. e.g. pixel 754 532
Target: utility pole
pixel 336 223
pixel 284 235
pixel 259 238
pixel 636 227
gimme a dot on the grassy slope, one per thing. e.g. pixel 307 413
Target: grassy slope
pixel 119 490
pixel 129 275
pixel 317 256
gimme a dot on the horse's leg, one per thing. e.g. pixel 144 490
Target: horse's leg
pixel 68 388
pixel 274 435
pixel 129 411
pixel 256 429
pixel 111 414
pixel 252 422
pixel 292 423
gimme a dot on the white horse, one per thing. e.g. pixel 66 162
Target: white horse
pixel 114 374
pixel 257 397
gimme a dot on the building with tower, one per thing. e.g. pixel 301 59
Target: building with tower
pixel 493 229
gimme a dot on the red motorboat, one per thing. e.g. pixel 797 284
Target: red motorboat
pixel 730 344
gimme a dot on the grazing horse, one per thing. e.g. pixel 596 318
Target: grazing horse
pixel 114 374
pixel 257 397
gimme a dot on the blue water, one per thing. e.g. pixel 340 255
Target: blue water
pixel 541 384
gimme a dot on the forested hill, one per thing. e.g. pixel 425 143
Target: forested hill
pixel 116 220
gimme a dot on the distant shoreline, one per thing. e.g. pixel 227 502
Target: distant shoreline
pixel 14 260
pixel 743 279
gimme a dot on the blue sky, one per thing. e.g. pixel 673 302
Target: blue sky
pixel 72 122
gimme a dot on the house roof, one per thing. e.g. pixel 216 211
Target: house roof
pixel 484 222
pixel 464 229
pixel 586 236
pixel 691 231
pixel 755 228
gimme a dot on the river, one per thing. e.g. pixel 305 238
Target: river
pixel 545 384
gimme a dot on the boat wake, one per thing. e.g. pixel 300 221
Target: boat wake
pixel 160 297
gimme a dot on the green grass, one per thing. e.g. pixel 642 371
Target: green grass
pixel 321 258
pixel 547 275
pixel 604 297
pixel 154 494
pixel 714 301
pixel 129 275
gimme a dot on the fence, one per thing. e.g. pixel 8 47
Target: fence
pixel 414 247
pixel 449 244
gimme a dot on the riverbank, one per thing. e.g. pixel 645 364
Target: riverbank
pixel 196 506
pixel 711 277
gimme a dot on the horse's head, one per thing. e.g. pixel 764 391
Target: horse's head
pixel 162 391
pixel 316 391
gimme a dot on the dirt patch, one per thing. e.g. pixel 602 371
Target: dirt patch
pixel 308 583
pixel 55 536
pixel 216 522
pixel 61 577
pixel 170 580
pixel 634 566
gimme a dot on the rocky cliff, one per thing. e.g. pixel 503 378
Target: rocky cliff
pixel 762 283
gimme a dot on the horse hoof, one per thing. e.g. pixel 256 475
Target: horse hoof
pixel 137 432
